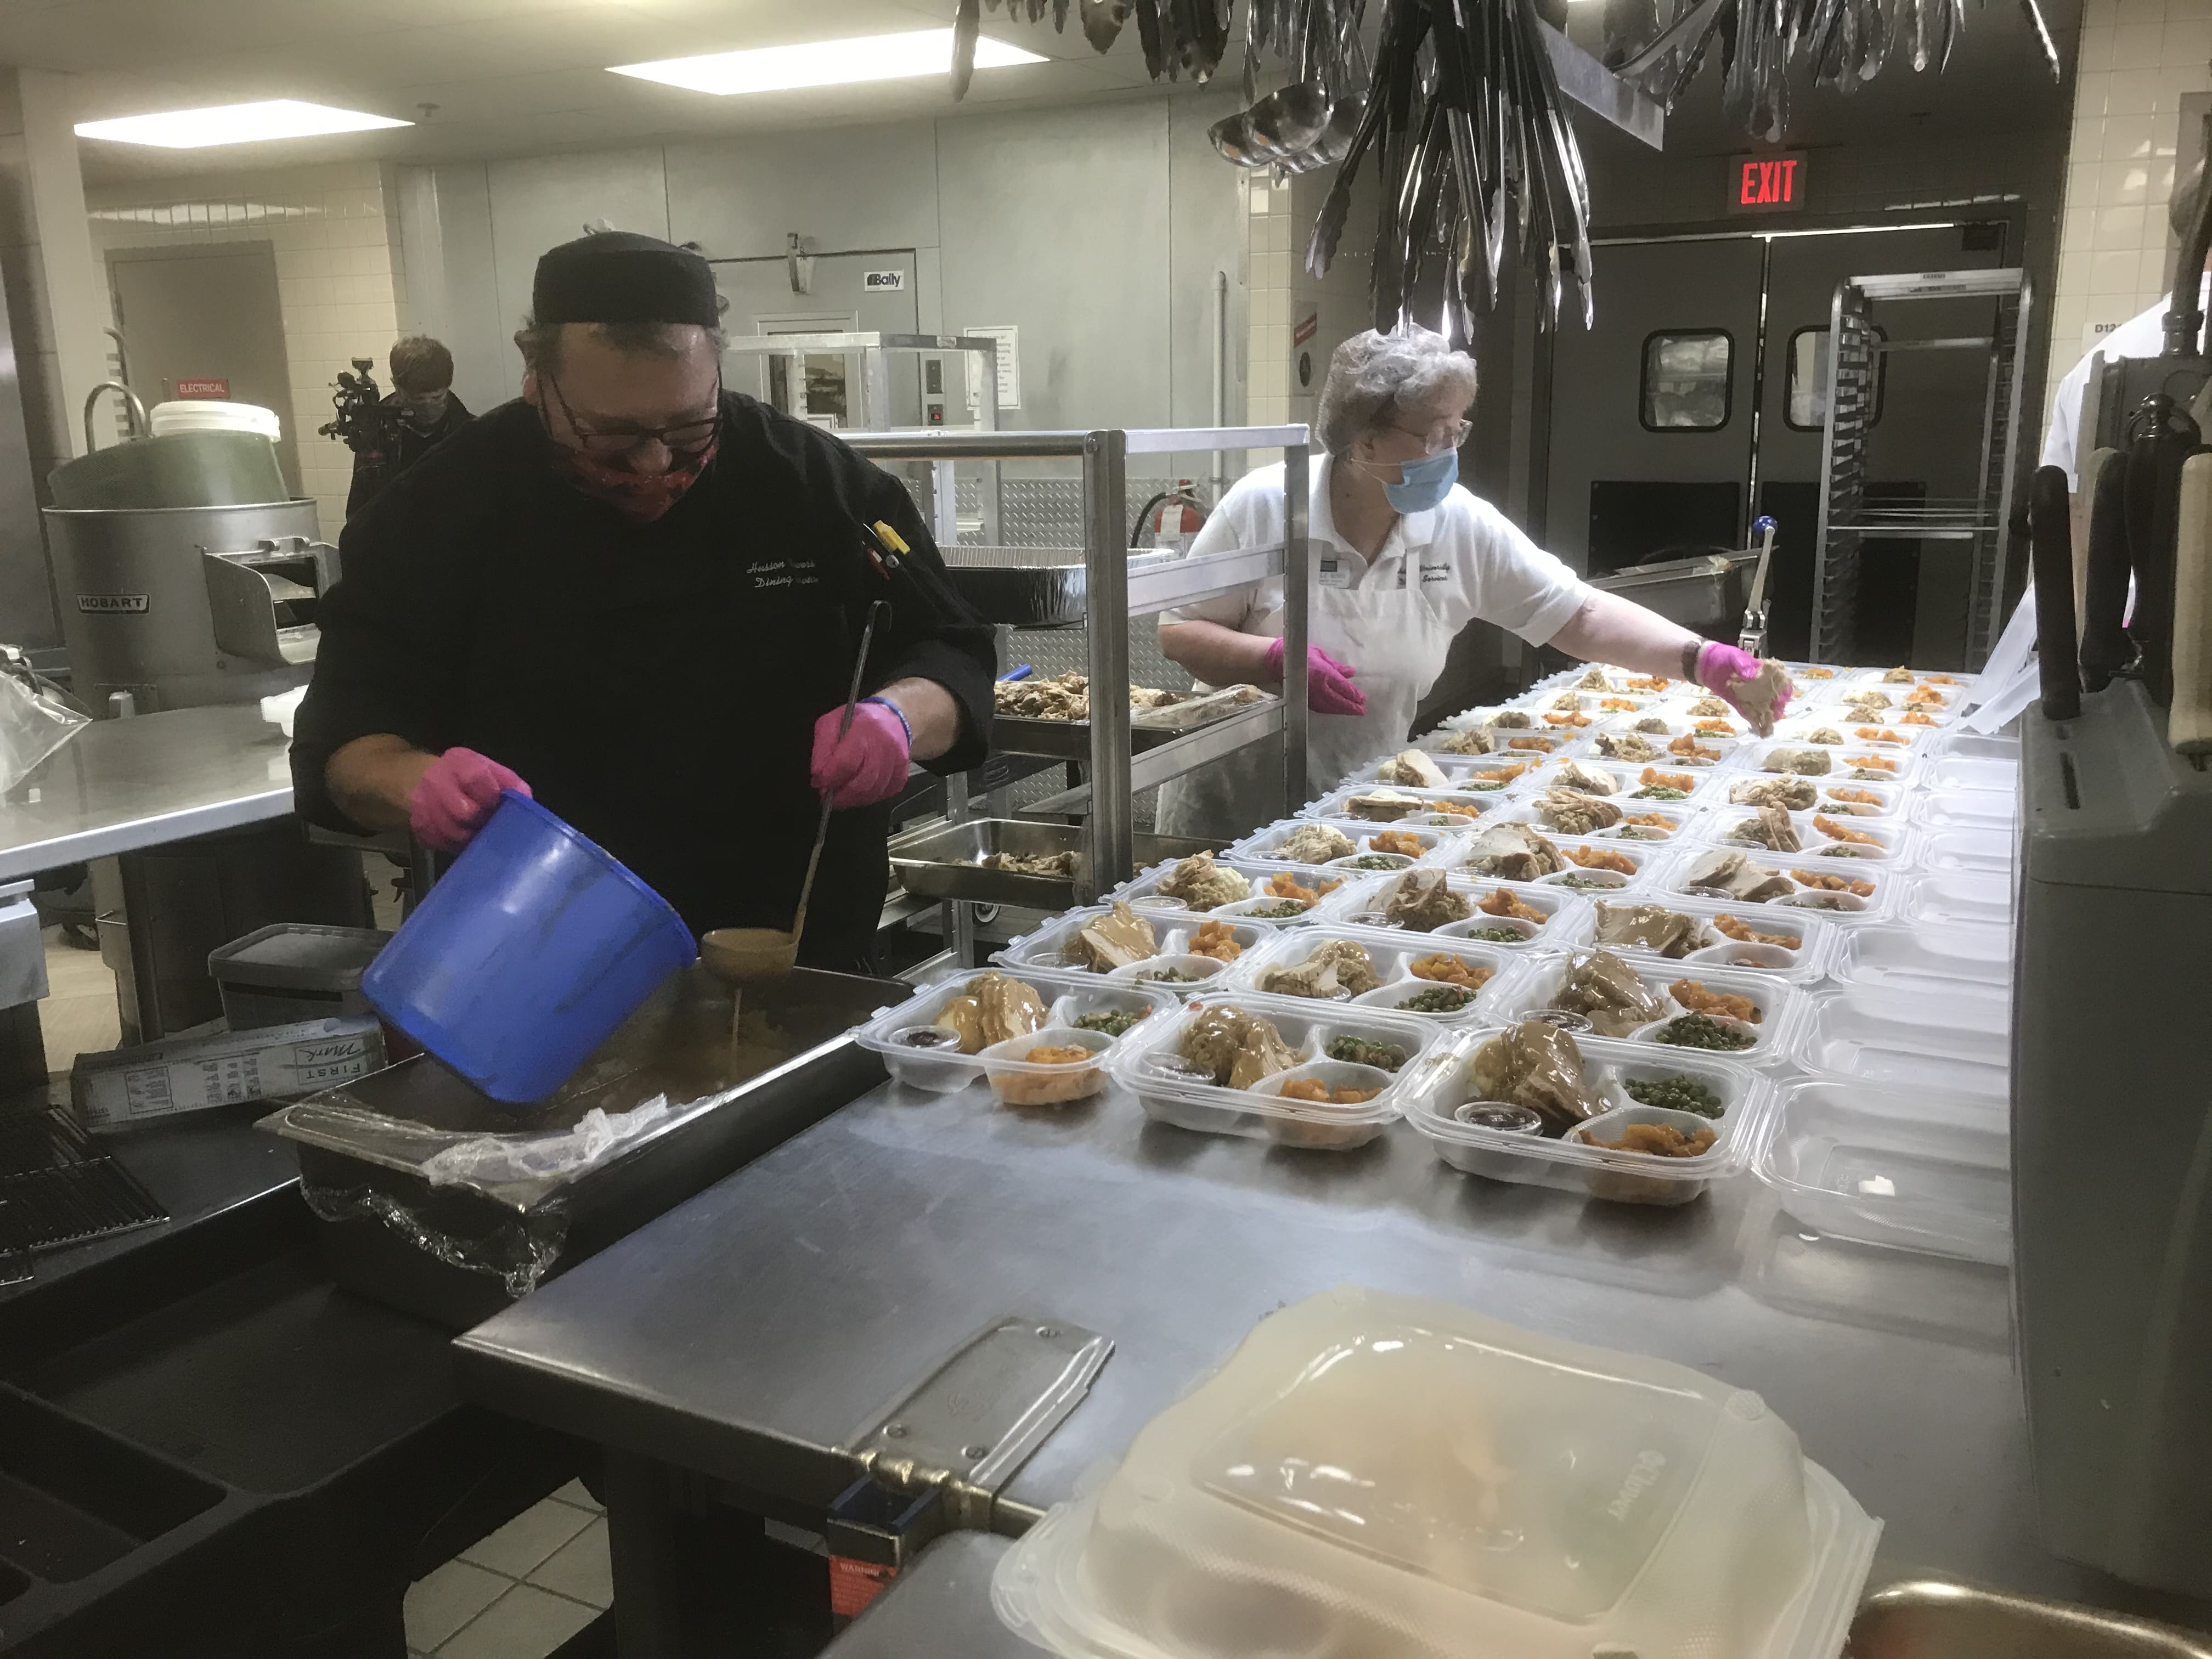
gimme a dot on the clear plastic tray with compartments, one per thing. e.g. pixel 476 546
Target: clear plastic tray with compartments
pixel 1426 809
pixel 1842 905
pixel 916 1052
pixel 1171 1089
pixel 1890 738
pixel 1766 1037
pixel 1889 842
pixel 1435 843
pixel 1053 947
pixel 1141 892
pixel 1851 764
pixel 1569 1162
pixel 1560 919
pixel 1393 957
pixel 1591 866
pixel 1677 818
pixel 1797 946
pixel 1958 1040
pixel 1899 957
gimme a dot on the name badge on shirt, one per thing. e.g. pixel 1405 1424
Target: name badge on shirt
pixel 1334 575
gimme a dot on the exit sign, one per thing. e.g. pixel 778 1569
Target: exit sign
pixel 1773 183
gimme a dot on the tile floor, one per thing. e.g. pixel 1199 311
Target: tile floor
pixel 519 1593
pixel 78 1015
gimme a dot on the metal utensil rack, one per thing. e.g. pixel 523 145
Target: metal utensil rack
pixel 1114 592
pixel 1981 521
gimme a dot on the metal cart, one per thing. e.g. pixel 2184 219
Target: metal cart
pixel 1981 521
pixel 1115 589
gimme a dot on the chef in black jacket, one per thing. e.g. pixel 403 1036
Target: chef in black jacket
pixel 637 595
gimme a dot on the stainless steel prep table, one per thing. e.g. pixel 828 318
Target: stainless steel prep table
pixel 938 1608
pixel 121 784
pixel 749 1333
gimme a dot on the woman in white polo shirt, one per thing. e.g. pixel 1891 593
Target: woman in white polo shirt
pixel 1402 558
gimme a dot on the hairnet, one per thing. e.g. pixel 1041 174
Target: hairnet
pixel 1373 376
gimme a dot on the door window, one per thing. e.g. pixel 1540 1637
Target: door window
pixel 1805 406
pixel 1687 380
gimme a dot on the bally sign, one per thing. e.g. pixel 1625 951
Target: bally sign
pixel 1768 184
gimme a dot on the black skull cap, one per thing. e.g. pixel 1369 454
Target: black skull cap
pixel 621 276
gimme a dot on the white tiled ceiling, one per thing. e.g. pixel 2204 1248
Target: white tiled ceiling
pixel 507 76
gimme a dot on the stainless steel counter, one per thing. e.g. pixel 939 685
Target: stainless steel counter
pixel 755 1330
pixel 121 784
pixel 938 1608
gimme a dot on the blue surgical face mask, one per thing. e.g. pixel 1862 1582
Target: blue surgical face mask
pixel 1423 484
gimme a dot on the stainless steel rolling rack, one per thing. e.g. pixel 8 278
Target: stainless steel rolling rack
pixel 1116 590
pixel 1981 521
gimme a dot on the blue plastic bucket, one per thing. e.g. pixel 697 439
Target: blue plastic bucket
pixel 525 955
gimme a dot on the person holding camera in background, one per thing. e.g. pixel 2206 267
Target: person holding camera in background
pixel 420 412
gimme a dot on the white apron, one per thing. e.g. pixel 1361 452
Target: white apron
pixel 1385 629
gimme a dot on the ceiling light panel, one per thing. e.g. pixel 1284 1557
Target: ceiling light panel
pixel 823 63
pixel 234 124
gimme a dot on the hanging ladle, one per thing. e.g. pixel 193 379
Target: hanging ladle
pixel 749 956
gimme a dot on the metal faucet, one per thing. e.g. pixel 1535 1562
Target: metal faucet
pixel 140 425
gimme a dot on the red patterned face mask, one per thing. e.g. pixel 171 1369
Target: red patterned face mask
pixel 641 498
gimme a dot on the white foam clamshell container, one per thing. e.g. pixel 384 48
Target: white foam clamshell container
pixel 1371 1474
pixel 1894 843
pixel 1914 1169
pixel 1393 955
pixel 1779 1002
pixel 1149 1070
pixel 1841 908
pixel 1801 963
pixel 1067 997
pixel 1959 1041
pixel 1047 949
pixel 1571 1165
pixel 1567 924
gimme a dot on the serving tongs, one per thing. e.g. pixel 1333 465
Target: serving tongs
pixel 1752 638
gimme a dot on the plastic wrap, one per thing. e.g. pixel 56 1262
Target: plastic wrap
pixel 34 721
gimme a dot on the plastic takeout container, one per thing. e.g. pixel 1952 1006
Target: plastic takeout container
pixel 1958 1041
pixel 1885 767
pixel 527 954
pixel 1570 1163
pixel 291 971
pixel 1053 945
pixel 1838 905
pixel 1677 819
pixel 1143 892
pixel 1469 802
pixel 1372 1474
pixel 1561 920
pixel 1392 955
pixel 1889 841
pixel 1900 957
pixel 1169 1091
pixel 1776 1004
pixel 927 1064
pixel 1804 957
pixel 1915 1170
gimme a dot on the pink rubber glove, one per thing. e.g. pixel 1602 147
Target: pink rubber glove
pixel 1726 672
pixel 869 762
pixel 453 798
pixel 1329 690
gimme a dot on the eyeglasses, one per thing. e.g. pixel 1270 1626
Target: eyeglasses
pixel 1440 438
pixel 685 440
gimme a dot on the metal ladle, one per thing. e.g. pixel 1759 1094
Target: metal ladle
pixel 750 956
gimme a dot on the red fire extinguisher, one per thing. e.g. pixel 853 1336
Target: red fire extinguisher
pixel 1170 519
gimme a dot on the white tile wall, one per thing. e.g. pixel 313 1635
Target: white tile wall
pixel 1272 266
pixel 335 234
pixel 2137 59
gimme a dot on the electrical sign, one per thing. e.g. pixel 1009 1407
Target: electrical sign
pixel 1773 183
